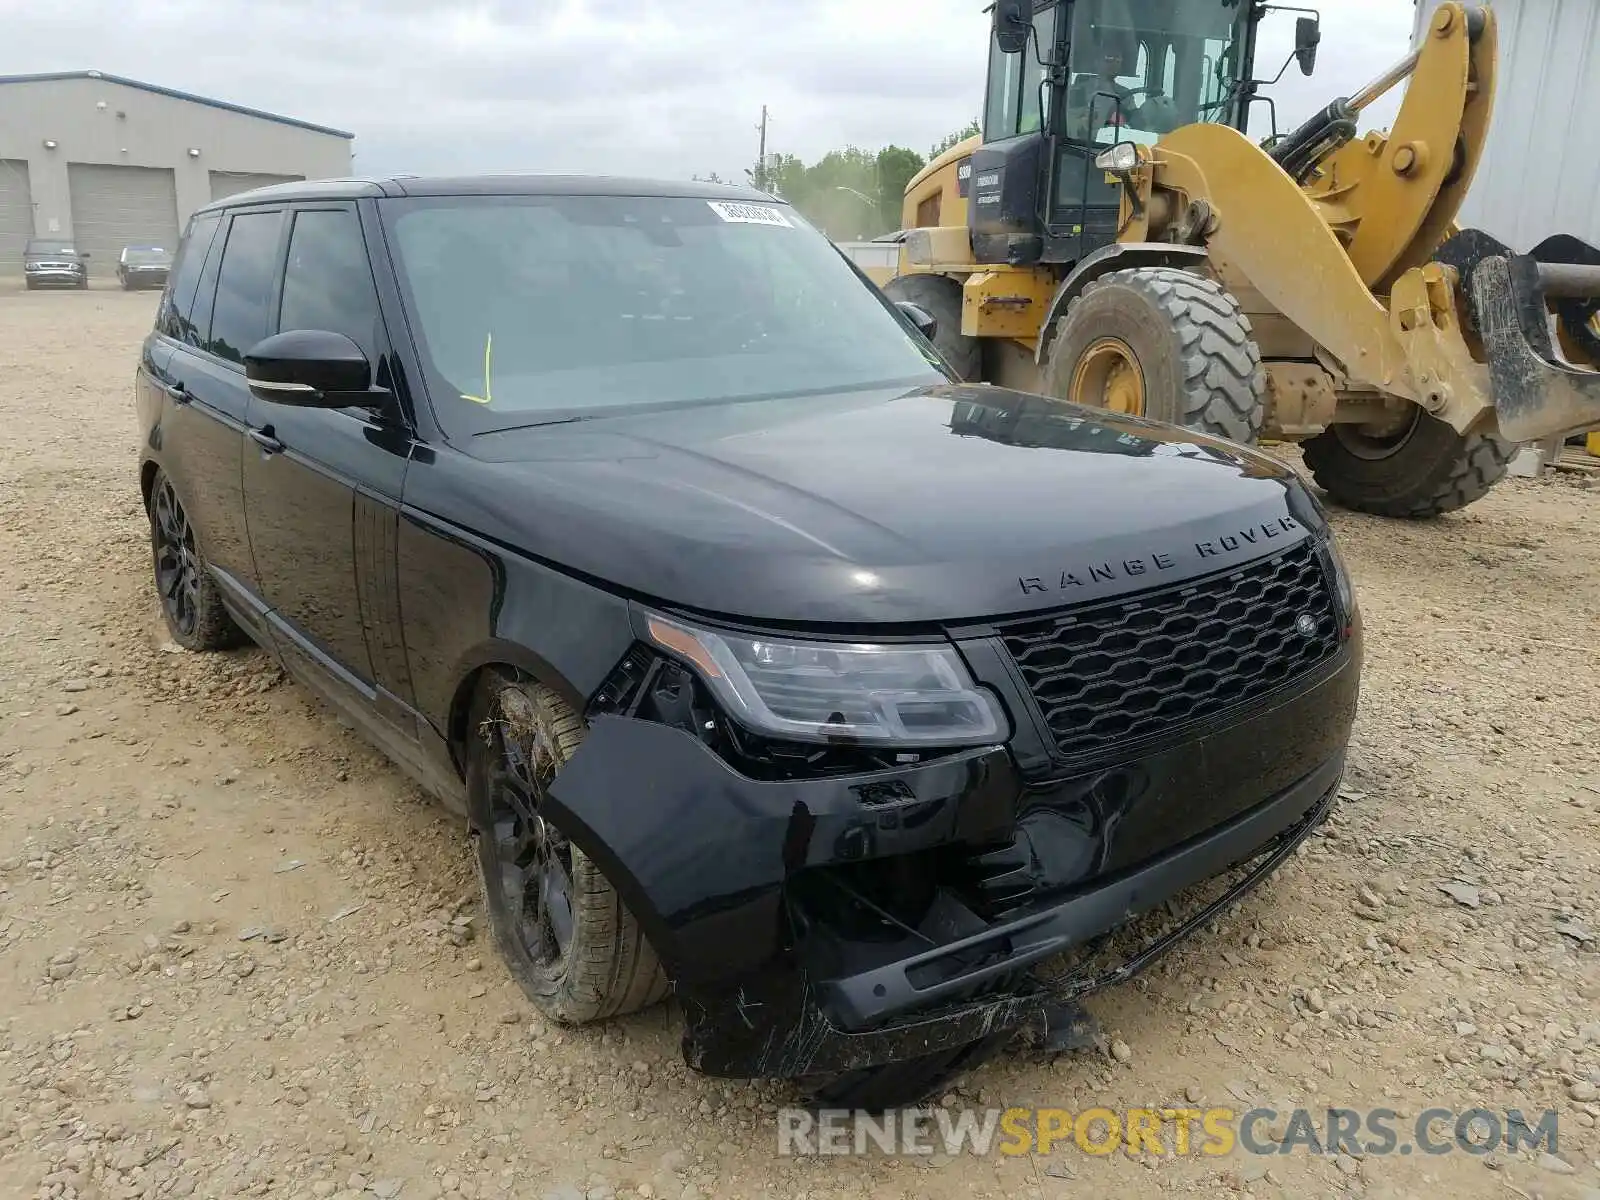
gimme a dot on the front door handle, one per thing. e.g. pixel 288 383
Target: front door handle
pixel 263 437
pixel 178 393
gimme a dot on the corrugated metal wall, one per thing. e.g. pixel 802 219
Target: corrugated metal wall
pixel 1540 172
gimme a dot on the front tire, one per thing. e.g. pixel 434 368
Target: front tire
pixel 1163 344
pixel 191 605
pixel 941 296
pixel 566 936
pixel 1424 470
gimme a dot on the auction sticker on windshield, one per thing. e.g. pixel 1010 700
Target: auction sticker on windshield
pixel 749 214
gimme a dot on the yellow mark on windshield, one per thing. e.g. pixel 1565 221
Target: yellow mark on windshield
pixel 488 394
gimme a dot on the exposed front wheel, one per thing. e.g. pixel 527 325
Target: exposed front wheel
pixel 1422 469
pixel 941 296
pixel 190 602
pixel 1163 344
pixel 565 934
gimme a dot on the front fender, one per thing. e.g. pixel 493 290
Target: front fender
pixel 1119 256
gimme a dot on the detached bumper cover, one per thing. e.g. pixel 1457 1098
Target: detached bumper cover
pixel 784 1025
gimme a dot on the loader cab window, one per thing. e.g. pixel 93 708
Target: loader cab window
pixel 1139 69
pixel 1016 101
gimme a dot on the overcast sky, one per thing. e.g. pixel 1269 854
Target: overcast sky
pixel 651 87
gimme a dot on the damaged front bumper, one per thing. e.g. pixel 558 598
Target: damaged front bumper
pixel 787 1024
pixel 820 925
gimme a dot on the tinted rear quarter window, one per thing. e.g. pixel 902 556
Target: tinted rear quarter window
pixel 245 284
pixel 174 316
pixel 327 281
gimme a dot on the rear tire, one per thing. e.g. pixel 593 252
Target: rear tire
pixel 941 296
pixel 191 605
pixel 899 1084
pixel 566 936
pixel 1428 470
pixel 1197 364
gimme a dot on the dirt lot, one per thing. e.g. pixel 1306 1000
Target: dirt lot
pixel 160 808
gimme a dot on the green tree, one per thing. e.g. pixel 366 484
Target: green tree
pixel 970 129
pixel 896 166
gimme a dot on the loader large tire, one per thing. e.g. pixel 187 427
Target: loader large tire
pixel 1427 470
pixel 1164 344
pixel 941 296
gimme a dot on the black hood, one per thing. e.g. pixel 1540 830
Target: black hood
pixel 932 506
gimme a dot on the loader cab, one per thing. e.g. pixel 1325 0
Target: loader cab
pixel 1070 78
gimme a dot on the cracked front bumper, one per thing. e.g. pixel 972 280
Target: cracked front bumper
pixel 786 1024
pixel 768 900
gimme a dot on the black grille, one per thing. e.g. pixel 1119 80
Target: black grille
pixel 1109 673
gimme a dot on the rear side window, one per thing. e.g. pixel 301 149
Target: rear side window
pixel 244 286
pixel 174 316
pixel 327 281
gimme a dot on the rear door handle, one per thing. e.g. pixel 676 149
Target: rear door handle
pixel 263 438
pixel 178 393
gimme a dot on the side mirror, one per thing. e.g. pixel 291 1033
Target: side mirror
pixel 309 367
pixel 84 254
pixel 927 325
pixel 1013 22
pixel 1307 37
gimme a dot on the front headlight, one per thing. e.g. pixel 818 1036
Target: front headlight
pixel 886 695
pixel 1341 579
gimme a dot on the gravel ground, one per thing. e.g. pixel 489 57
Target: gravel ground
pixel 240 954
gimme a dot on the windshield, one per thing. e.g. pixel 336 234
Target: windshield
pixel 146 256
pixel 1142 68
pixel 39 246
pixel 539 308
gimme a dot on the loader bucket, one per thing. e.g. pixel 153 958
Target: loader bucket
pixel 1538 392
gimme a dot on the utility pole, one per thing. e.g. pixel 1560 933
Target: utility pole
pixel 761 163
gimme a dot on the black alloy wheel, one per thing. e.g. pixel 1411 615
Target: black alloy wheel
pixel 177 562
pixel 564 932
pixel 535 861
pixel 190 602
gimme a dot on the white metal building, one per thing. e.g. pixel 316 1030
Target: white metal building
pixel 109 162
pixel 1540 172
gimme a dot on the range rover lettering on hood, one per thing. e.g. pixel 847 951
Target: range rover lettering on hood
pixel 1159 561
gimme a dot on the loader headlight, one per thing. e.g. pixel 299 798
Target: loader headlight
pixel 1119 160
pixel 887 695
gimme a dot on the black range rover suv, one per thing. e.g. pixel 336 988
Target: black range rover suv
pixel 765 663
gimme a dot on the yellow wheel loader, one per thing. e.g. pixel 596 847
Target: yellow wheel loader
pixel 1114 239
